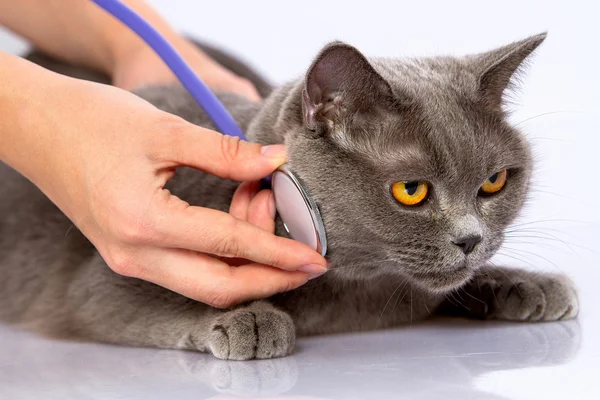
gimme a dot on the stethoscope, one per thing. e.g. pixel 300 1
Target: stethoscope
pixel 299 213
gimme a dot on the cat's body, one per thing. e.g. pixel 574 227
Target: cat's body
pixel 358 128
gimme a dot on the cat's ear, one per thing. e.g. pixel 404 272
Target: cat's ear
pixel 496 69
pixel 340 82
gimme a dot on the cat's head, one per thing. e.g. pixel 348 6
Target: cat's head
pixel 406 159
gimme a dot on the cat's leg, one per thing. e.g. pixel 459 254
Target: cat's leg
pixel 325 305
pixel 94 303
pixel 515 295
pixel 256 330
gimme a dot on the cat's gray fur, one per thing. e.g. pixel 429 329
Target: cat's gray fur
pixel 352 127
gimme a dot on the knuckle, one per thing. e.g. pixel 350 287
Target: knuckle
pixel 230 148
pixel 222 301
pixel 220 296
pixel 123 263
pixel 132 224
pixel 226 247
pixel 275 257
pixel 227 244
pixel 133 231
pixel 287 286
pixel 168 139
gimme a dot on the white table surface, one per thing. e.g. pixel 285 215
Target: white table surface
pixel 438 359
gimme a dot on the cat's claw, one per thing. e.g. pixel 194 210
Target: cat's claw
pixel 257 331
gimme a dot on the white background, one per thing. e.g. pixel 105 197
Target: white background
pixel 560 93
pixel 280 38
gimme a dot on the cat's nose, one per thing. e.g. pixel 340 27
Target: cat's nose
pixel 468 243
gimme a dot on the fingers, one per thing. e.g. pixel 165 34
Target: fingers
pixel 261 211
pixel 224 156
pixel 242 198
pixel 256 208
pixel 213 232
pixel 213 282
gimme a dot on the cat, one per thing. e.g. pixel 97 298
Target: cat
pixel 365 136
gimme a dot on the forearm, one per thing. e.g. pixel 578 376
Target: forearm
pixel 78 31
pixel 28 94
pixel 45 119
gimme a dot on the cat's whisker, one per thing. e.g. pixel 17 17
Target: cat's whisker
pixel 543 230
pixel 549 236
pixel 517 258
pixel 538 229
pixel 542 236
pixel 562 196
pixel 458 294
pixel 552 139
pixel 389 299
pixel 69 230
pixel 568 244
pixel 493 280
pixel 512 281
pixel 427 308
pixel 471 296
pixel 544 115
pixel 536 255
pixel 401 294
pixel 534 234
pixel 411 306
pixel 450 300
pixel 543 245
pixel 458 301
pixel 543 221
pixel 400 299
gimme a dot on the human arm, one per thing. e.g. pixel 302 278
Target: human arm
pixel 79 32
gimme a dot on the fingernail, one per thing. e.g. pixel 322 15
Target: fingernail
pixel 272 208
pixel 315 275
pixel 313 269
pixel 274 151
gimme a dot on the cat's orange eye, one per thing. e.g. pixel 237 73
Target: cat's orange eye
pixel 494 183
pixel 410 193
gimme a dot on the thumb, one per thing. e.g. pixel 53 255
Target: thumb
pixel 225 156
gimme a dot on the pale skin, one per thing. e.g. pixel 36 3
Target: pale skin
pixel 103 156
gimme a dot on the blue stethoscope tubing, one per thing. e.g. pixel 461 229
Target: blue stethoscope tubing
pixel 201 93
pixel 225 124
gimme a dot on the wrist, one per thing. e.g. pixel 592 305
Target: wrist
pixel 123 44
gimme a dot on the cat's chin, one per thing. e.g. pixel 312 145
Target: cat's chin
pixel 443 282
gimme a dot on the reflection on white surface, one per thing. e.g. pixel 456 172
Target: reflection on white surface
pixel 450 358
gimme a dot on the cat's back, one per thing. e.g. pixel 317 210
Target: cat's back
pixel 38 245
pixel 26 214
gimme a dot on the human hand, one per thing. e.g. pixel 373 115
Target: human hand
pixel 141 66
pixel 103 156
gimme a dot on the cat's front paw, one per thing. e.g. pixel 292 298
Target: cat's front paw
pixel 533 297
pixel 257 331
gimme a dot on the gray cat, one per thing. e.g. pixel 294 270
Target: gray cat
pixel 416 173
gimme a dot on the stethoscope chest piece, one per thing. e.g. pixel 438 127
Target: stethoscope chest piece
pixel 300 215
